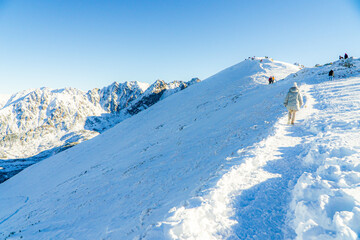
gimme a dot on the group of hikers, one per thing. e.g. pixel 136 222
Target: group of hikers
pixel 293 100
pixel 331 72
pixel 254 58
pixel 346 56
pixel 271 79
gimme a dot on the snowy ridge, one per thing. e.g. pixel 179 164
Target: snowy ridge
pixel 255 72
pixel 116 97
pixel 38 120
pixel 218 162
pixel 38 123
pixel 69 116
pixel 189 135
pixel 218 215
pixel 318 209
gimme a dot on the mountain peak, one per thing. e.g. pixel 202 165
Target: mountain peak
pixel 253 72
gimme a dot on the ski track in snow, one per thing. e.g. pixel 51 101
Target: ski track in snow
pixel 15 203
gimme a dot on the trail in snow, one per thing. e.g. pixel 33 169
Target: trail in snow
pixel 262 210
pixel 303 182
pixel 207 160
pixel 120 184
pixel 326 201
pixel 251 200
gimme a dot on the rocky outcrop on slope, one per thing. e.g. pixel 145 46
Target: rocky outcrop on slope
pixel 157 91
pixel 117 96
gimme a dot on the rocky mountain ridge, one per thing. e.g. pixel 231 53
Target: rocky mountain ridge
pixel 38 123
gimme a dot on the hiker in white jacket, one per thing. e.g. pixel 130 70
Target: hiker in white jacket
pixel 293 102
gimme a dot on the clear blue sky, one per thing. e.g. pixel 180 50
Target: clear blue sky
pixel 87 44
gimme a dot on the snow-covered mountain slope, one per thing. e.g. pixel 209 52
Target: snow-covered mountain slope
pixel 115 187
pixel 257 73
pixel 37 120
pixel 301 182
pixel 43 119
pixel 325 202
pixel 38 123
pixel 157 91
pixel 3 99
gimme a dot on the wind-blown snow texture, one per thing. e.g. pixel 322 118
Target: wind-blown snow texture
pixel 215 161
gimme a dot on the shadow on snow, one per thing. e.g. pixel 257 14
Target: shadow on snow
pixel 261 211
pixel 11 167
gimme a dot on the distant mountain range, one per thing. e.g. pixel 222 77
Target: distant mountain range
pixel 38 123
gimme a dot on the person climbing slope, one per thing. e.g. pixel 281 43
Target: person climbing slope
pixel 271 80
pixel 293 102
pixel 331 75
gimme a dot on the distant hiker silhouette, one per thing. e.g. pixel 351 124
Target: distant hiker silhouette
pixel 293 102
pixel 331 75
pixel 271 79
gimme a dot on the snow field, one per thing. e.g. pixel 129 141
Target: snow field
pixel 215 161
pixel 121 184
pixel 326 201
pixel 252 200
pixel 222 215
pixel 3 99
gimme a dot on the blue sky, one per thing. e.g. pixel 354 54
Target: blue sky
pixel 87 44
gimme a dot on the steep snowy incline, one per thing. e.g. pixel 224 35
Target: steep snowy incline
pixel 251 200
pixel 38 123
pixel 302 182
pixel 112 187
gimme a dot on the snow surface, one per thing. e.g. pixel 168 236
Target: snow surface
pixel 215 161
pixel 37 120
pixel 3 99
pixel 326 199
pixel 38 123
pixel 143 86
